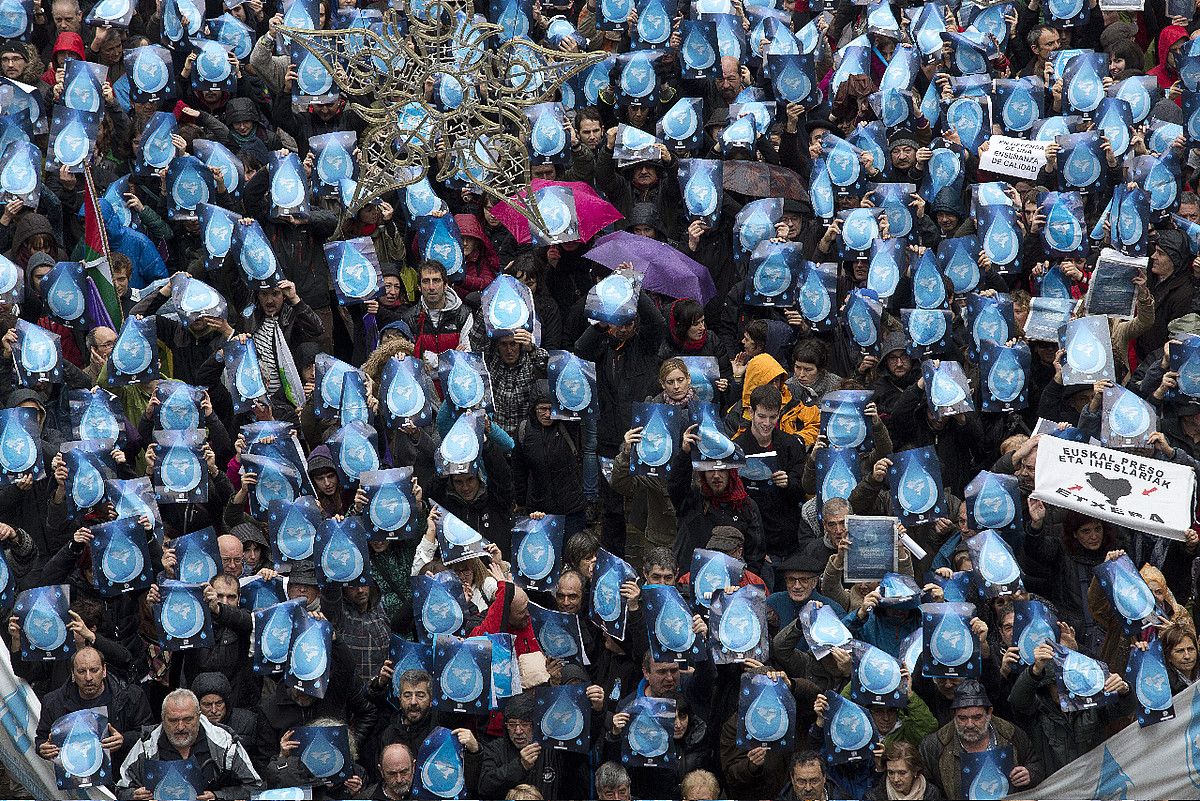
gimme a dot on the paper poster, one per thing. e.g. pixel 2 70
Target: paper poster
pixel 872 548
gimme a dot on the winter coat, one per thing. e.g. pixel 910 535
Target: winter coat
pixel 529 654
pixel 626 372
pixel 128 710
pixel 547 467
pixel 795 417
pixel 229 655
pixel 147 263
pixel 1072 575
pixel 779 507
pixel 222 759
pixel 1059 737
pixel 188 353
pixel 489 511
pixel 1172 299
pixel 744 779
pixel 26 509
pixel 959 446
pixel 437 330
pixel 344 700
pixel 698 516
pixel 240 720
pixel 649 510
pixel 298 248
pixel 693 752
pixel 942 755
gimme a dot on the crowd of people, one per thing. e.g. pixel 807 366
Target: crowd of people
pixel 822 265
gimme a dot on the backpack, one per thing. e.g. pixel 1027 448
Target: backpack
pixel 523 431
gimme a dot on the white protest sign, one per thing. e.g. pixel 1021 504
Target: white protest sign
pixel 1143 494
pixel 1008 155
pixel 1122 5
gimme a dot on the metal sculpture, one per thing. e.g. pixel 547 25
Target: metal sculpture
pixel 478 129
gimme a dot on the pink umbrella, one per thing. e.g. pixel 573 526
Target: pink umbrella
pixel 594 211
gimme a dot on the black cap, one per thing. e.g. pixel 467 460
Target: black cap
pixel 969 694
pixel 520 707
pixel 811 558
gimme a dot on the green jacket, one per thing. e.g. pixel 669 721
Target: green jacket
pixel 915 724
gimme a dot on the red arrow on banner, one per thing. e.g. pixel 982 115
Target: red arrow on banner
pixel 1074 488
pixel 1152 489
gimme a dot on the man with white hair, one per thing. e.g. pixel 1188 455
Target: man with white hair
pixel 184 734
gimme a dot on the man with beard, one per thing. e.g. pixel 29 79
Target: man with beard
pixel 415 720
pixel 396 775
pixel 515 758
pixel 974 729
pixel 186 734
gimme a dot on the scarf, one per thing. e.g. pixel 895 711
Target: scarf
pixel 916 792
pixel 734 497
pixel 684 401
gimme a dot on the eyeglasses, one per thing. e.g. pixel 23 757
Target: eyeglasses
pixel 803 581
pixel 518 725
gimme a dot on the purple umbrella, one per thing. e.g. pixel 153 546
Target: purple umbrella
pixel 665 269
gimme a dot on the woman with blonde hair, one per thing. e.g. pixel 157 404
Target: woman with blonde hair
pixel 1115 650
pixel 700 785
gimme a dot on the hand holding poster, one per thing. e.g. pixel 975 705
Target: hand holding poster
pixel 1144 494
pixel 1007 155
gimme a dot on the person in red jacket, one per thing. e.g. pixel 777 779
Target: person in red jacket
pixel 480 262
pixel 509 614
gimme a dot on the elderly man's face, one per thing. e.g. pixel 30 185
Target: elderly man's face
pixel 644 176
pixel 520 732
pixel 971 723
pixel 68 17
pixel 904 157
pixel 730 82
pixel 231 554
pixel 800 585
pixel 509 350
pixel 1190 212
pixel 181 722
pixel 104 339
pixel 619 793
pixel 834 526
pixel 213 707
pixel 518 612
pixel 396 771
pixel 1161 264
pixel 808 780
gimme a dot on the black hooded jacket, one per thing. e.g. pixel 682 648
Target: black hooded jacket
pixel 547 470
